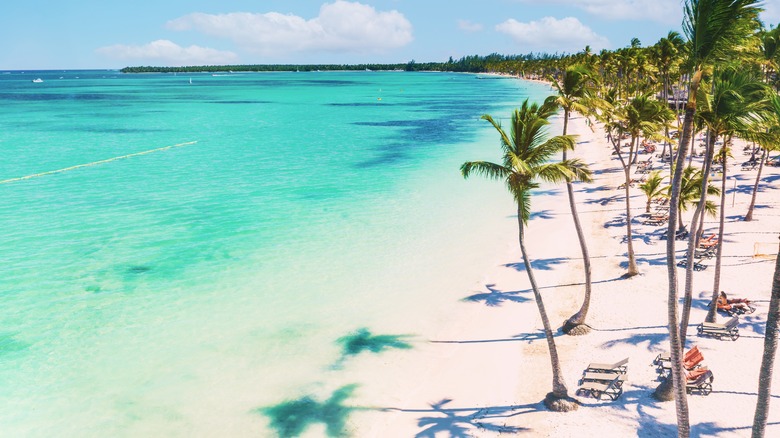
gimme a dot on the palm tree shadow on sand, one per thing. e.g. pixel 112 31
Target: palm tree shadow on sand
pixel 467 422
pixel 495 297
pixel 539 264
pixel 521 337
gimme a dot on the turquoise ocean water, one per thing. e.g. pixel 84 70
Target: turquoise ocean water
pixel 174 293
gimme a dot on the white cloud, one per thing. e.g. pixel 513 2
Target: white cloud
pixel 168 53
pixel 468 26
pixel 550 34
pixel 663 11
pixel 340 26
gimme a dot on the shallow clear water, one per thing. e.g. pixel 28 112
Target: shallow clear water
pixel 175 292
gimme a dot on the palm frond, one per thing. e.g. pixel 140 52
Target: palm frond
pixel 484 168
pixel 710 208
pixel 554 172
pixel 579 170
pixel 506 142
pixel 715 28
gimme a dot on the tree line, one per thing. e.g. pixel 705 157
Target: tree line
pixel 466 64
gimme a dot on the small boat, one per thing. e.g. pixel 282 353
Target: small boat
pixel 37 80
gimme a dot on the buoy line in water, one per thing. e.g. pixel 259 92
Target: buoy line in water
pixel 95 163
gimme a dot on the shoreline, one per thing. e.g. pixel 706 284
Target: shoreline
pixel 485 370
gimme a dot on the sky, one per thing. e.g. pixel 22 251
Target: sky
pixel 85 34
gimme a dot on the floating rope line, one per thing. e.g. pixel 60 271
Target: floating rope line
pixel 95 163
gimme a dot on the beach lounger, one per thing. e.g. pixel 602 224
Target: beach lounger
pixel 594 376
pixel 692 359
pixel 735 306
pixel 596 389
pixel 656 219
pixel 706 253
pixel 730 329
pixel 617 367
pixel 697 264
pixel 662 209
pixel 681 234
pixel 692 355
pixel 710 244
pixel 749 165
pixel 700 382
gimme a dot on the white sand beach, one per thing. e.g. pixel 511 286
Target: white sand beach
pixel 485 370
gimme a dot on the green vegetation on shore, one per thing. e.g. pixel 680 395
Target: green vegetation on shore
pixel 466 64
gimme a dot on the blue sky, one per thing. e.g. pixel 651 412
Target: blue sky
pixel 44 34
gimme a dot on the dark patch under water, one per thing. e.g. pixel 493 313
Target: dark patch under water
pixel 49 97
pixel 292 418
pixel 359 104
pixel 385 159
pixel 242 102
pixel 138 269
pixel 362 340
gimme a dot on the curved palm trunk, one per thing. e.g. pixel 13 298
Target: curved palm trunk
pixel 749 215
pixel 559 385
pixel 578 319
pixel 696 225
pixel 666 129
pixel 632 268
pixel 721 225
pixel 678 380
pixel 768 358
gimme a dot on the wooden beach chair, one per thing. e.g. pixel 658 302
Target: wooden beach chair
pixel 697 264
pixel 596 389
pixel 656 219
pixel 749 165
pixel 595 376
pixel 705 253
pixel 733 307
pixel 699 381
pixel 730 329
pixel 708 242
pixel 691 359
pixel 681 234
pixel 618 367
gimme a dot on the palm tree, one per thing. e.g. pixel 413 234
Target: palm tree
pixel 714 29
pixel 768 358
pixel 770 142
pixel 576 92
pixel 525 162
pixel 737 105
pixel 769 52
pixel 667 53
pixel 652 188
pixel 693 183
pixel 690 192
pixel 642 116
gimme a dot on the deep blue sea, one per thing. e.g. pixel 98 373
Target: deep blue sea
pixel 174 293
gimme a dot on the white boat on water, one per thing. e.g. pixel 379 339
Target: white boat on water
pixel 37 80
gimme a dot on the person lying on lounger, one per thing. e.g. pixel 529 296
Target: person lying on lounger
pixel 734 305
